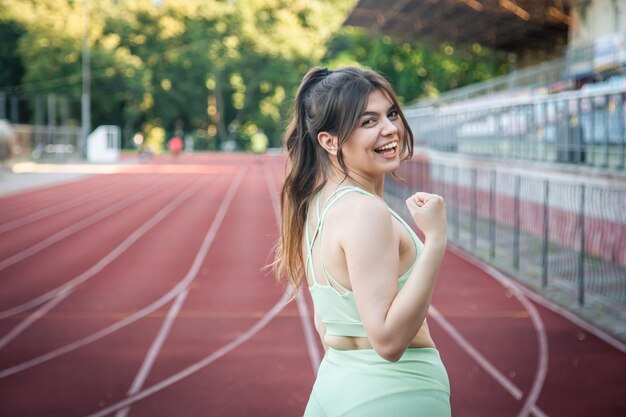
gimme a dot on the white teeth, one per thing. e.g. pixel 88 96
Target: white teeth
pixel 389 146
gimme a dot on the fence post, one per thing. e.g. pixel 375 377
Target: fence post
pixel 544 138
pixel 516 217
pixel 457 203
pixel 497 147
pixel 605 115
pixel 581 257
pixel 39 140
pixel 531 133
pixel 544 252
pixel 52 110
pixel 592 138
pixel 15 109
pixel 474 208
pixel 576 151
pixel 3 107
pixel 492 215
pixel 622 132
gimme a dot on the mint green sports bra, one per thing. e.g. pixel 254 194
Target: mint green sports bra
pixel 337 310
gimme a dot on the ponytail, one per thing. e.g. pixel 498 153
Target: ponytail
pixel 305 173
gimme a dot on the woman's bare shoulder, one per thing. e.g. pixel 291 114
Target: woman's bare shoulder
pixel 362 215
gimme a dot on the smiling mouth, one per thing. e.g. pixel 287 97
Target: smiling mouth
pixel 388 149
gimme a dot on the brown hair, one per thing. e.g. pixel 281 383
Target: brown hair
pixel 326 101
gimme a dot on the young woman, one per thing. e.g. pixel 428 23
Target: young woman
pixel 371 279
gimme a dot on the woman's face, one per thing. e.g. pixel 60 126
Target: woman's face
pixel 374 147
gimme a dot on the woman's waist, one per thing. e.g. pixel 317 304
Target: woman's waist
pixel 421 340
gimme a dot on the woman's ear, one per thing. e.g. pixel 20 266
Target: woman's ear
pixel 328 142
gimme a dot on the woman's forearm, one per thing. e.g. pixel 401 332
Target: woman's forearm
pixel 410 306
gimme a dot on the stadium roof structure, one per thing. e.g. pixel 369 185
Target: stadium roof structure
pixel 509 25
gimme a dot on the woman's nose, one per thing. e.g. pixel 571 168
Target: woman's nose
pixel 389 127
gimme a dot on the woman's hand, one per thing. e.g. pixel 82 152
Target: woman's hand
pixel 429 213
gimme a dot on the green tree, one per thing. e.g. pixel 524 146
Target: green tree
pixel 11 67
pixel 415 68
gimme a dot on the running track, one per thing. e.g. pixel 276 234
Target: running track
pixel 141 293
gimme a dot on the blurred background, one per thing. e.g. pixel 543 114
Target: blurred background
pixel 518 107
pixel 212 71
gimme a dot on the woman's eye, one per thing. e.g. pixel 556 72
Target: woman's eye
pixel 393 114
pixel 368 122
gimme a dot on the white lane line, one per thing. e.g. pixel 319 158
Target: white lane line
pixel 106 260
pixel 303 310
pixel 66 290
pixel 181 286
pixel 617 344
pixel 200 364
pixel 509 386
pixel 542 363
pixel 26 323
pixel 76 227
pixel 537 412
pixel 542 338
pixel 46 192
pixel 51 210
pixel 475 354
pixel 151 357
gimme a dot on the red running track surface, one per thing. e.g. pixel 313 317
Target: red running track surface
pixel 142 293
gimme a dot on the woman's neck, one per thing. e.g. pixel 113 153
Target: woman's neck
pixel 374 186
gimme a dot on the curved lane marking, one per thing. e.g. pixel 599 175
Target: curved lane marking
pixel 54 209
pixel 542 338
pixel 510 387
pixel 31 319
pixel 103 262
pixel 154 350
pixel 198 365
pixel 180 287
pixel 76 227
pixel 610 340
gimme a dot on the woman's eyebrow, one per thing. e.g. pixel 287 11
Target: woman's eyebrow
pixel 373 113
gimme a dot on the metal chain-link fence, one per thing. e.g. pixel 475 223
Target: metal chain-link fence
pixel 553 232
pixel 45 127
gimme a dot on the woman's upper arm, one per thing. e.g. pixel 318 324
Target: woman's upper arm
pixel 370 245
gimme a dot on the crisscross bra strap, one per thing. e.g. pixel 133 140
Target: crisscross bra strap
pixel 309 243
pixel 334 197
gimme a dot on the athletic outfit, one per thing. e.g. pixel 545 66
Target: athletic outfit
pixel 359 383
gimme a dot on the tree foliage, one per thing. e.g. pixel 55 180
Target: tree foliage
pixel 216 68
pixel 418 68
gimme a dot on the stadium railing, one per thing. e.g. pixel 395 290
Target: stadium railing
pixel 584 127
pixel 48 143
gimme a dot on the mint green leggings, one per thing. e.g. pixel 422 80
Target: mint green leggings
pixel 359 383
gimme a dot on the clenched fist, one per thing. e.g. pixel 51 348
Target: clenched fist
pixel 429 213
